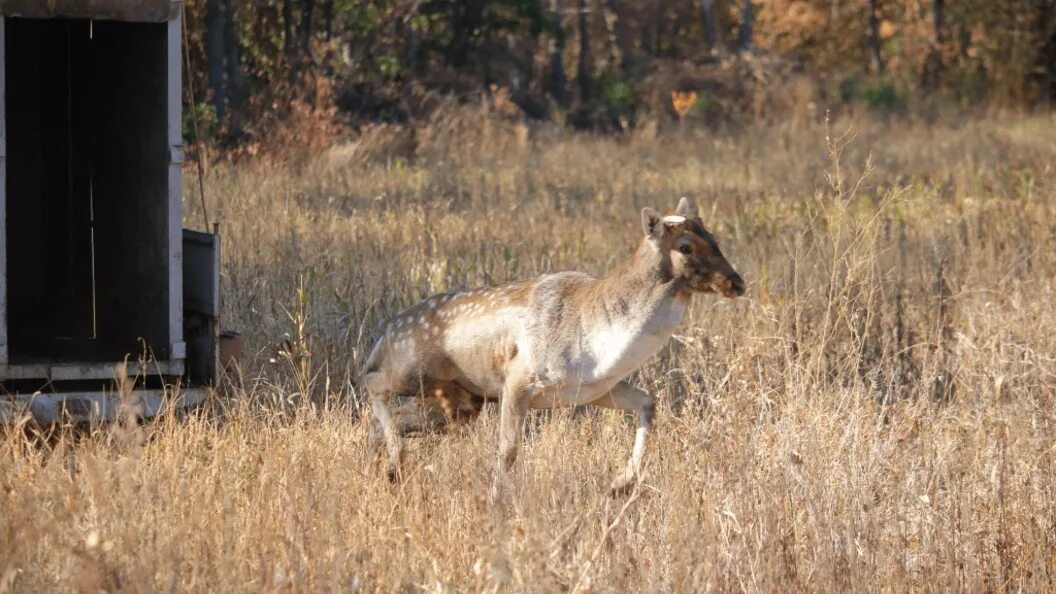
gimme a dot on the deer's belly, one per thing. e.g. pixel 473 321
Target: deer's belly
pixel 480 349
pixel 571 394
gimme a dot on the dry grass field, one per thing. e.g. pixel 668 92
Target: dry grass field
pixel 877 414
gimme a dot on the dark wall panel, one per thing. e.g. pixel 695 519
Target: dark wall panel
pixel 131 185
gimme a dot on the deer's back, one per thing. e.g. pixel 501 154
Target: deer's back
pixel 473 337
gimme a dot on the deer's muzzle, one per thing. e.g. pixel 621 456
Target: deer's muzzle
pixel 734 285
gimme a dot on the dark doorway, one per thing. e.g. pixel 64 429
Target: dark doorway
pixel 87 189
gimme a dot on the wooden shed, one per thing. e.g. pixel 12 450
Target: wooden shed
pixel 95 267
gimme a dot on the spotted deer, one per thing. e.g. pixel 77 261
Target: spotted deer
pixel 558 340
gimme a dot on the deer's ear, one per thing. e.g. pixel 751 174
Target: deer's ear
pixel 650 222
pixel 684 208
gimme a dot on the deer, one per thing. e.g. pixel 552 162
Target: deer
pixel 557 340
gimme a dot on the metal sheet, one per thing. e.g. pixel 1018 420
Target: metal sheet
pixel 201 302
pixel 201 272
pixel 145 11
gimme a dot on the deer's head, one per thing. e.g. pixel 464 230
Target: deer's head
pixel 689 253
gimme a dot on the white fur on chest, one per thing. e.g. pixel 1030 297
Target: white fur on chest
pixel 614 351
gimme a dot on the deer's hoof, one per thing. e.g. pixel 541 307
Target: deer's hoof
pixel 497 495
pixel 374 440
pixel 622 484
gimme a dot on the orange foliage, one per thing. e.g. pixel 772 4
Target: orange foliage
pixel 683 101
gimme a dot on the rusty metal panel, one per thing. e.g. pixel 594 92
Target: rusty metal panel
pixel 145 11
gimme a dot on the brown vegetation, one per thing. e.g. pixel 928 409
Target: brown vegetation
pixel 876 414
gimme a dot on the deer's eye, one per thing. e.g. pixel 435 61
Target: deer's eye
pixel 685 249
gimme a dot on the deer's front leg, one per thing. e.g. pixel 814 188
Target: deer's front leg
pixel 625 397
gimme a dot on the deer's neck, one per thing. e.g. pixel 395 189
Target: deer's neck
pixel 643 291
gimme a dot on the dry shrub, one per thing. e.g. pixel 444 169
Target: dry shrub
pixel 292 122
pixel 374 143
pixel 492 127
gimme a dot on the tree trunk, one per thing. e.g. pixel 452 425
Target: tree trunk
pixel 744 41
pixel 306 30
pixel 456 50
pixel 328 19
pixel 658 26
pixel 707 20
pixel 938 16
pixel 485 51
pixel 583 74
pixel 932 72
pixel 466 21
pixel 610 8
pixel 414 46
pixel 1046 60
pixel 558 80
pixel 874 39
pixel 233 58
pixel 289 41
pixel 214 50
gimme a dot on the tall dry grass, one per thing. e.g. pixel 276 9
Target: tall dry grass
pixel 877 414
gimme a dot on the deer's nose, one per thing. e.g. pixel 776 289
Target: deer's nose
pixel 736 285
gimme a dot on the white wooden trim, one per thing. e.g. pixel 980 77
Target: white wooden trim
pixel 174 79
pixel 85 370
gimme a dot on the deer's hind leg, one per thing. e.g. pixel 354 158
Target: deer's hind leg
pixel 417 415
pixel 434 405
pixel 459 405
pixel 437 406
pixel 380 388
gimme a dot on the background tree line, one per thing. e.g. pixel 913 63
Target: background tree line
pixel 602 63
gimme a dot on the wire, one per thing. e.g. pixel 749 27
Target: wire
pixel 194 114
